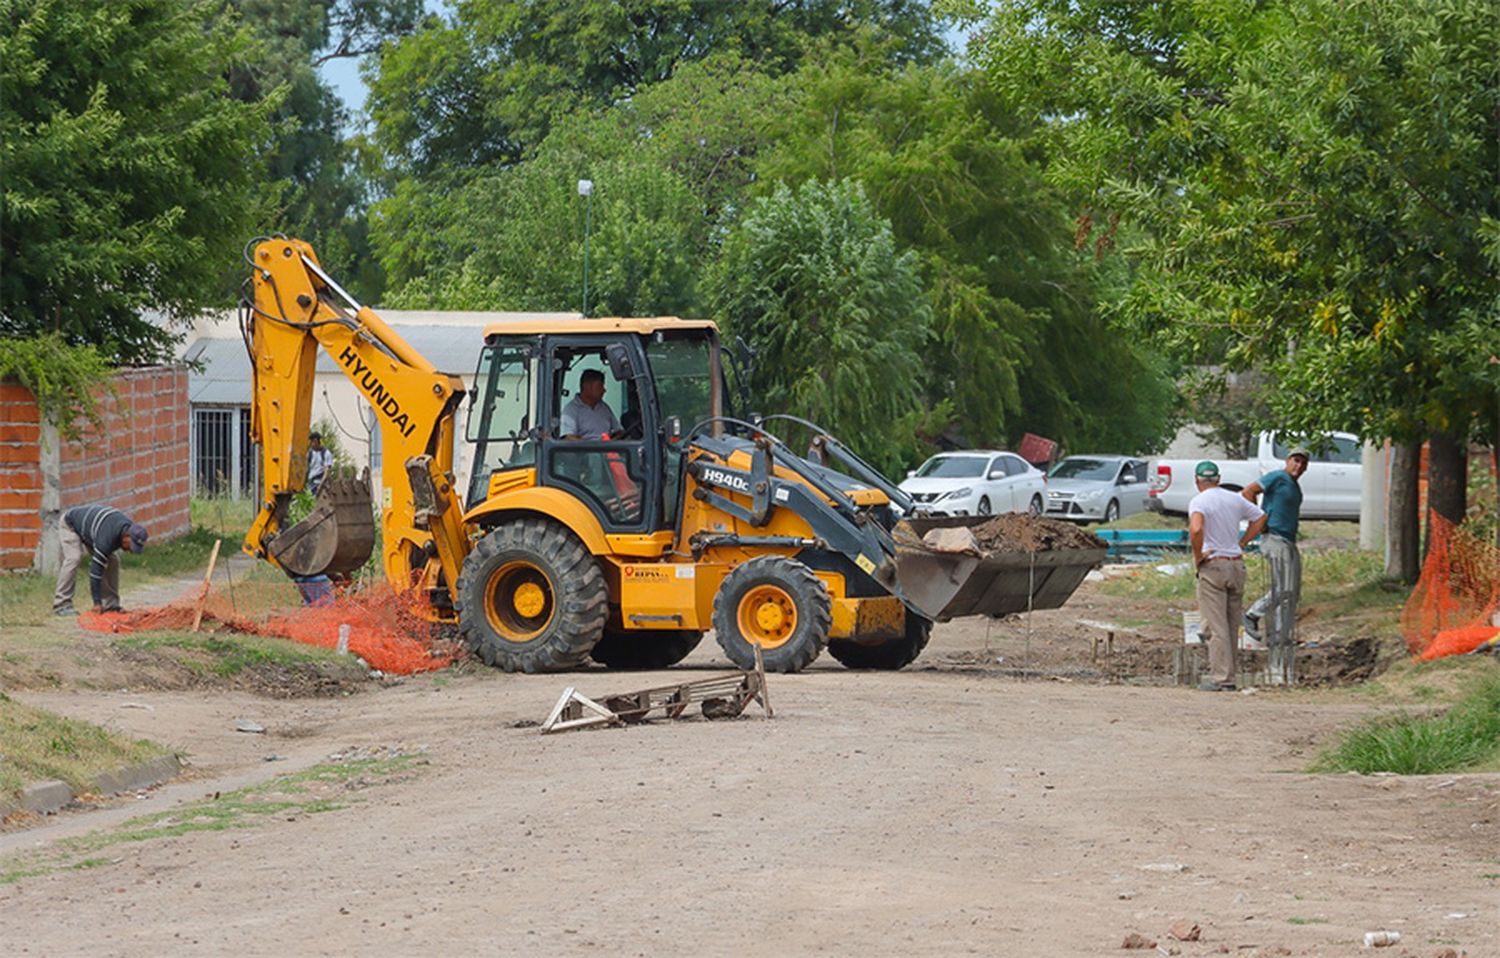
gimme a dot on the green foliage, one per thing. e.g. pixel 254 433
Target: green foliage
pixel 130 175
pixel 62 378
pixel 1020 346
pixel 1309 186
pixel 666 166
pixel 1466 735
pixel 485 85
pixel 518 236
pixel 814 282
pixel 321 192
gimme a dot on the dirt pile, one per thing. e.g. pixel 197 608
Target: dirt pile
pixel 1023 532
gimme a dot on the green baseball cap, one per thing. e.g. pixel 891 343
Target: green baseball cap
pixel 1207 469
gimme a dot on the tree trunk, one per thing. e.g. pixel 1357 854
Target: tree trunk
pixel 1447 479
pixel 1403 526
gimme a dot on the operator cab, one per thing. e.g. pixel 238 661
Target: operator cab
pixel 591 406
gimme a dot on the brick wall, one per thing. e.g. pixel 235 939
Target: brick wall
pixel 20 478
pixel 137 461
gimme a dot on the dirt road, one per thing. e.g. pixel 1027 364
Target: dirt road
pixel 926 812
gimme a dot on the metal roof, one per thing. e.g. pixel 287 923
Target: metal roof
pixel 612 324
pixel 224 378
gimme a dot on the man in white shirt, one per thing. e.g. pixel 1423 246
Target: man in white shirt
pixel 1214 517
pixel 319 461
pixel 588 416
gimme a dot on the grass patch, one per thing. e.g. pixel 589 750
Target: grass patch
pixel 1464 738
pixel 231 654
pixel 38 745
pixel 1306 921
pixel 309 792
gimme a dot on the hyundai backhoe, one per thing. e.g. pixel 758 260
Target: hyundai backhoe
pixel 623 546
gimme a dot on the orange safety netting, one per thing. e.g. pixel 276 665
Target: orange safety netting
pixel 386 628
pixel 1453 608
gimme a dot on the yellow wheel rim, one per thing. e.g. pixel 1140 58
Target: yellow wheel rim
pixel 767 616
pixel 518 601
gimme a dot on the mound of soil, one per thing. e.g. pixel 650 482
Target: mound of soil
pixel 1023 532
pixel 169 668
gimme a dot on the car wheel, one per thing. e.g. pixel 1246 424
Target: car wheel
pixel 984 506
pixel 1111 511
pixel 1035 508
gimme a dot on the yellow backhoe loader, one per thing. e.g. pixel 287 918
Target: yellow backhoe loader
pixel 625 543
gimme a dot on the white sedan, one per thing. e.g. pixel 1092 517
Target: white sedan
pixel 980 482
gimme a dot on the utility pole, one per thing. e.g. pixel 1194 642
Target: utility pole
pixel 586 190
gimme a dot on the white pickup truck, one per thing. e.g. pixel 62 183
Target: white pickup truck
pixel 1330 487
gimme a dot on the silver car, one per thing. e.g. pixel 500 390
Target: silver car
pixel 1097 488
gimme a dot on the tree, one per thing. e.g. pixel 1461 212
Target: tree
pixel 130 175
pixel 486 85
pixel 668 166
pixel 835 312
pixel 1312 184
pixel 1020 344
pixel 323 193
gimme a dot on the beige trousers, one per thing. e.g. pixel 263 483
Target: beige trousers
pixel 75 554
pixel 1221 598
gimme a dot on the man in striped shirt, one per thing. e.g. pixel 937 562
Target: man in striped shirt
pixel 101 531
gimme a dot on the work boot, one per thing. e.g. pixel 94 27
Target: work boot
pixel 66 610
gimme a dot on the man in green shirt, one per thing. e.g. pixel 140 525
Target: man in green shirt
pixel 1277 609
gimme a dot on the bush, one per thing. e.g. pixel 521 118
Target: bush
pixel 1466 735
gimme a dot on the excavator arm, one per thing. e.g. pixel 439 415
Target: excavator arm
pixel 292 310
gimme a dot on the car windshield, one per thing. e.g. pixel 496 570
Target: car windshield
pixel 1101 470
pixel 953 467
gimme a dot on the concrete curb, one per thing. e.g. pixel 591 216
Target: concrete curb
pixel 44 798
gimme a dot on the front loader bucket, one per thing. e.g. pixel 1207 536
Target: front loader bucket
pixel 337 537
pixel 948 576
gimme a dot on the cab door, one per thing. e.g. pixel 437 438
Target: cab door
pixel 616 477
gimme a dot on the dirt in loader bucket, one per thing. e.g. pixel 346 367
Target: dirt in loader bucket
pixel 956 566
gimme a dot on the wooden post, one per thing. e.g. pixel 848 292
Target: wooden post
pixel 208 577
pixel 760 675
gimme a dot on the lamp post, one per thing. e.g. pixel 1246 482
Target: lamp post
pixel 586 190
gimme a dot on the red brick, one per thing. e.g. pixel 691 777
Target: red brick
pixel 17 540
pixel 19 452
pixel 11 499
pixel 20 432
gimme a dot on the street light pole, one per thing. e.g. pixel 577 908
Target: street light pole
pixel 586 190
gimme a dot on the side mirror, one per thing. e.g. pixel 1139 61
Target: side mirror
pixel 674 428
pixel 1128 479
pixel 998 474
pixel 620 365
pixel 911 473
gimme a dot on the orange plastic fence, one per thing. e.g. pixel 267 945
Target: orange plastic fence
pixel 1452 610
pixel 386 629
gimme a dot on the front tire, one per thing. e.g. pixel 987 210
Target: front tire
pixel 644 648
pixel 1035 506
pixel 778 604
pixel 984 508
pixel 1112 511
pixel 531 598
pixel 888 656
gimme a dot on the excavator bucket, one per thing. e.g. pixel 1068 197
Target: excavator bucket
pixel 337 537
pixel 943 571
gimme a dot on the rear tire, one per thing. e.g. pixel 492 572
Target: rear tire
pixel 778 604
pixel 888 656
pixel 644 648
pixel 531 598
